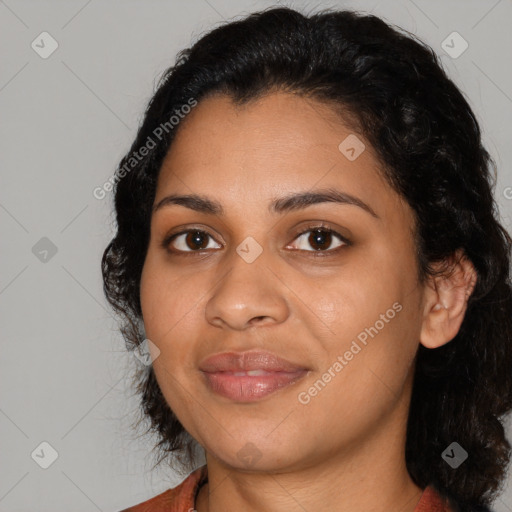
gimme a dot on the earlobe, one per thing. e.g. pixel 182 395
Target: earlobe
pixel 445 301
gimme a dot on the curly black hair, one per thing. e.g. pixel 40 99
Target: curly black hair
pixel 391 88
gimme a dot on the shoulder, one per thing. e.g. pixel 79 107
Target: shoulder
pixel 435 500
pixel 178 499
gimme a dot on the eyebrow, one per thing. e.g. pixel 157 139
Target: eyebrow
pixel 291 202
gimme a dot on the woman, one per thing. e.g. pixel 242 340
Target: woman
pixel 309 248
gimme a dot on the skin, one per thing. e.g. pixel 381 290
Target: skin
pixel 346 447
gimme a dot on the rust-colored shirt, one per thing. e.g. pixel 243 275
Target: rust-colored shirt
pixel 182 498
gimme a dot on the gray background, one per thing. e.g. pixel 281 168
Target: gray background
pixel 66 122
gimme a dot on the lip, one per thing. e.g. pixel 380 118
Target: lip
pixel 249 376
pixel 246 361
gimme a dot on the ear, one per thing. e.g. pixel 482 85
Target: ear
pixel 445 300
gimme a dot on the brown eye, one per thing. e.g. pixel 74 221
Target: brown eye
pixel 321 240
pixel 196 240
pixel 190 241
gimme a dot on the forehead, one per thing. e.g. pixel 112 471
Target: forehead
pixel 278 123
pixel 265 148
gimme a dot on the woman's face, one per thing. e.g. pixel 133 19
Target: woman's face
pixel 343 311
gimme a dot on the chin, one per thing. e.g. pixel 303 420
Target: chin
pixel 253 450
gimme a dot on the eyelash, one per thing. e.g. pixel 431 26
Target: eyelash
pixel 315 253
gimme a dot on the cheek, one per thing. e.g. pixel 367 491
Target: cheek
pixel 176 392
pixel 368 319
pixel 347 303
pixel 363 374
pixel 168 302
pixel 379 370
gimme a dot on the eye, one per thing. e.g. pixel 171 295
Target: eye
pixel 193 240
pixel 320 239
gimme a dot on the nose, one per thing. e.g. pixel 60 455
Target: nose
pixel 249 294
